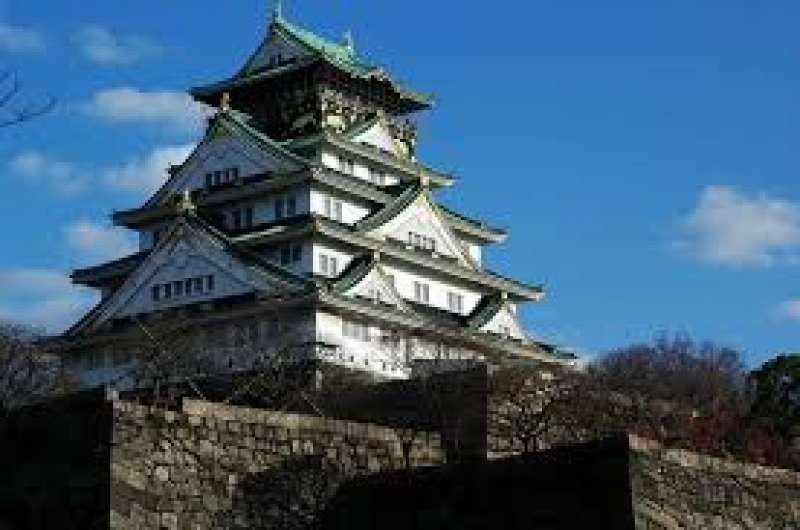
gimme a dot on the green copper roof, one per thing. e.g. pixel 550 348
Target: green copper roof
pixel 340 56
pixel 246 123
pixel 485 311
pixel 391 209
pixel 357 270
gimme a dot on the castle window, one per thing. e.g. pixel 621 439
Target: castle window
pixel 177 288
pixel 210 282
pixel 156 292
pixel 187 287
pixel 248 217
pixel 236 219
pixel 209 180
pixel 333 209
pixel 198 285
pixel 297 252
pixel 167 291
pixel 279 205
pixel 286 255
pixel 355 330
pixel 422 292
pixel 455 302
pixel 291 206
pixel 328 265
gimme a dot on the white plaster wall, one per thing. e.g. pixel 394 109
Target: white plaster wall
pixel 264 207
pixel 360 168
pixel 352 210
pixel 378 136
pixel 225 153
pixel 506 318
pixel 344 258
pixel 177 269
pixel 373 355
pixel 404 283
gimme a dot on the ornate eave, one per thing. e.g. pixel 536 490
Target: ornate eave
pixel 102 274
pixel 319 226
pixel 487 344
pixel 407 170
pixel 318 50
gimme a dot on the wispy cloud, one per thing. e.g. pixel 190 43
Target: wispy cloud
pixel 731 228
pixel 18 39
pixel 103 46
pixel 40 168
pixel 43 298
pixel 790 309
pixel 175 110
pixel 146 174
pixel 141 175
pixel 94 242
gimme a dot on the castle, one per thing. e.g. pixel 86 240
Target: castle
pixel 304 217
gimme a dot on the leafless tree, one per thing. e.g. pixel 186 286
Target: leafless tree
pixel 27 371
pixel 15 108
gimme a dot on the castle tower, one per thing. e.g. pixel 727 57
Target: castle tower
pixel 304 212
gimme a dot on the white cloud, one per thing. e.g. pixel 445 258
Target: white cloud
pixel 176 110
pixel 102 46
pixel 98 243
pixel 145 175
pixel 40 168
pixel 791 309
pixel 42 298
pixel 141 175
pixel 731 228
pixel 17 39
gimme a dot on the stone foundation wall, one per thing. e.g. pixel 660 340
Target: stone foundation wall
pixel 676 489
pixel 216 466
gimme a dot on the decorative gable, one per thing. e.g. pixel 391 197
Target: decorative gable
pixel 227 153
pixel 377 135
pixel 273 52
pixel 375 286
pixel 505 322
pixel 187 267
pixel 419 225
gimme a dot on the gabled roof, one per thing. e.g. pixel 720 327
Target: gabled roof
pixel 407 199
pixel 271 272
pixel 391 210
pixel 238 124
pixel 95 276
pixel 485 311
pixel 341 56
pixel 407 170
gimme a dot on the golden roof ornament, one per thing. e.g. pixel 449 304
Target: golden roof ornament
pixel 349 42
pixel 225 101
pixel 277 10
pixel 185 205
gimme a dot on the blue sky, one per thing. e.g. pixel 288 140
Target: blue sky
pixel 643 155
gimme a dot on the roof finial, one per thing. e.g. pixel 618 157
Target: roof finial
pixel 277 10
pixel 225 101
pixel 349 42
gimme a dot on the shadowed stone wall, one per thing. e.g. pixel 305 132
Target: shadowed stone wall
pixel 212 466
pixel 677 489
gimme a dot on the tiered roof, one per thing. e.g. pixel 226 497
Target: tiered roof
pixel 388 201
pixel 342 57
